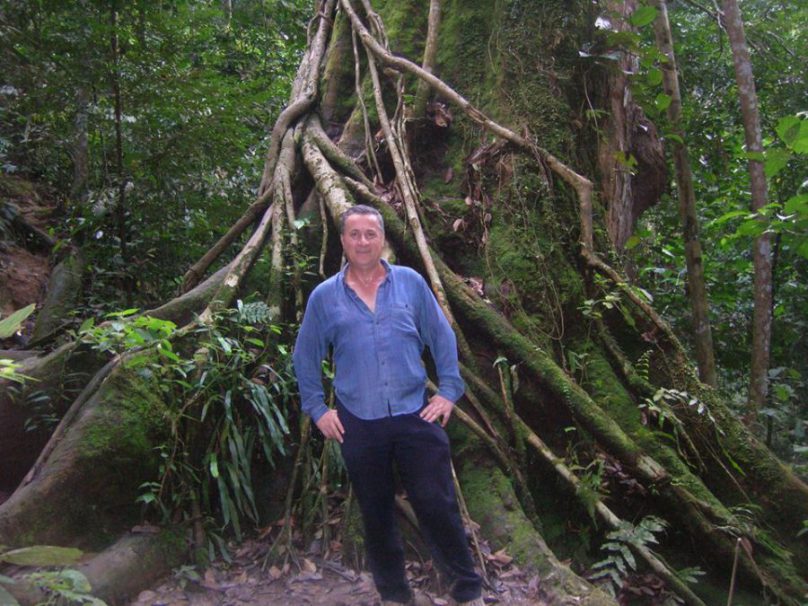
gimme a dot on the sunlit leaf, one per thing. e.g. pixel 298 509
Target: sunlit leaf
pixel 42 555
pixel 11 324
pixel 654 77
pixel 662 101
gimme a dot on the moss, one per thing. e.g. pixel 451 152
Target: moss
pixel 127 419
pixel 493 504
pixel 405 22
pixel 337 82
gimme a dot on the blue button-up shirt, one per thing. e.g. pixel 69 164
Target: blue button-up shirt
pixel 377 355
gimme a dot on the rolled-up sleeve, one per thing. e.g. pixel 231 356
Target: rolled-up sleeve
pixel 440 338
pixel 310 351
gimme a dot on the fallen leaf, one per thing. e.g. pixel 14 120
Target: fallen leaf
pixel 308 566
pixel 500 558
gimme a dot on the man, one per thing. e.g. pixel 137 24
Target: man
pixel 378 318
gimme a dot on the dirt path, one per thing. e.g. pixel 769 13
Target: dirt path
pixel 246 582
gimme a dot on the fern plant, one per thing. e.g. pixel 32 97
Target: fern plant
pixel 619 563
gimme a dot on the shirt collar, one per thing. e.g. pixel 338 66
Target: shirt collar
pixel 342 272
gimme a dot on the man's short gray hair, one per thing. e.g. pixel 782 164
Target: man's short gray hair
pixel 360 209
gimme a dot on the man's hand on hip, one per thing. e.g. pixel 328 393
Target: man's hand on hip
pixel 331 426
pixel 439 408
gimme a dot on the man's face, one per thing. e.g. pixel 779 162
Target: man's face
pixel 362 240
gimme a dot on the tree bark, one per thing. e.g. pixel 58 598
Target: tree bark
pixel 80 152
pixel 117 99
pixel 762 247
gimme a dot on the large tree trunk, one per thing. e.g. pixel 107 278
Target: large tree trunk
pixel 489 198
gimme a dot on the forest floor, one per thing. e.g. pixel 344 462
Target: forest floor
pixel 23 274
pixel 246 581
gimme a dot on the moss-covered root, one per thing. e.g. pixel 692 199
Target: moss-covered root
pixel 606 430
pixel 122 570
pixel 84 493
pixel 64 290
pixel 493 504
pixel 703 513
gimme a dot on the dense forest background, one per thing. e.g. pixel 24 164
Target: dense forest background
pixel 133 135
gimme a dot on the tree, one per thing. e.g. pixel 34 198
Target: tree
pixel 699 302
pixel 762 251
pixel 581 400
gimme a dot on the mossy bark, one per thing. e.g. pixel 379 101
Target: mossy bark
pixel 56 378
pixel 64 290
pixel 94 471
pixel 495 507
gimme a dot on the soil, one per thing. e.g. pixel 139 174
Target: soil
pixel 24 269
pixel 247 581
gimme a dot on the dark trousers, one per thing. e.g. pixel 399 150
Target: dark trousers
pixel 420 452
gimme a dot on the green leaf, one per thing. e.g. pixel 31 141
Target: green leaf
pixel 10 325
pixel 169 354
pixel 776 160
pixel 802 249
pixel 633 242
pixel 654 76
pixel 78 582
pixel 728 216
pixel 662 101
pixel 42 555
pixel 86 325
pixel 751 227
pixel 794 133
pixel 213 465
pixel 122 314
pixel 797 205
pixel 643 16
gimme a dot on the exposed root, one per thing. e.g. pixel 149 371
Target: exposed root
pixel 428 63
pixel 582 186
pixel 304 92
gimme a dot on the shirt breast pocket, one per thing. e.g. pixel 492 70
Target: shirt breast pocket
pixel 402 319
